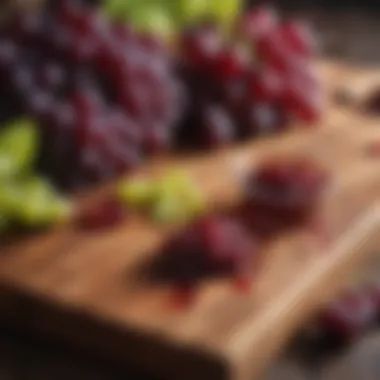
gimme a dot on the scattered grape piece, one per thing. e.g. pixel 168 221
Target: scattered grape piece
pixel 348 317
pixel 103 214
pixel 283 192
pixel 242 283
pixel 183 296
pixel 372 149
pixel 210 246
pixel 371 103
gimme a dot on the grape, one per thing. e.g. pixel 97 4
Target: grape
pixel 224 11
pixel 241 88
pixel 4 223
pixel 117 8
pixel 152 18
pixel 180 196
pixel 191 10
pixel 18 147
pixel 38 204
pixel 138 192
pixel 9 198
pixel 168 209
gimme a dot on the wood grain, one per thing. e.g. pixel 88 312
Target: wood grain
pixel 87 288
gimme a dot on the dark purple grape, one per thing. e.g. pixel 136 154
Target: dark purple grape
pixel 39 105
pixel 213 245
pixel 217 126
pixel 22 78
pixel 52 76
pixel 8 54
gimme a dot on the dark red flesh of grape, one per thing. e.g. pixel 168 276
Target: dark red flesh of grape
pixel 372 102
pixel 212 246
pixel 283 193
pixel 348 317
pixel 106 213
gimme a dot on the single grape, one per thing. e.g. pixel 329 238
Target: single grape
pixel 169 209
pixel 136 192
pixel 39 205
pixel 117 9
pixel 8 54
pixel 152 18
pixel 217 127
pixel 257 23
pixel 4 223
pixel 299 38
pixel 191 10
pixel 223 11
pixel 18 147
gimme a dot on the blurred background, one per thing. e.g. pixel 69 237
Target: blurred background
pixel 350 32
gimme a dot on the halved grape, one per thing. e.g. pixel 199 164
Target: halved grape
pixel 18 147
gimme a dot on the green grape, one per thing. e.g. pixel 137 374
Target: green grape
pixel 137 192
pixel 18 147
pixel 178 192
pixel 152 18
pixel 195 201
pixel 224 11
pixel 191 10
pixel 9 197
pixel 171 182
pixel 117 8
pixel 4 223
pixel 168 209
pixel 38 204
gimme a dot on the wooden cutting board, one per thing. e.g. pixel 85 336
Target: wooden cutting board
pixel 85 288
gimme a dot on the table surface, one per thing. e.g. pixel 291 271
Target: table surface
pixel 23 357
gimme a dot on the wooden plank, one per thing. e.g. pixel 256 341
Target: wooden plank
pixel 86 288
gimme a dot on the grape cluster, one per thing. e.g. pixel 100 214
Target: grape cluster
pixel 257 83
pixel 104 96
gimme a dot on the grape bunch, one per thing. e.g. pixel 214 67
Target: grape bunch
pixel 104 96
pixel 256 83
